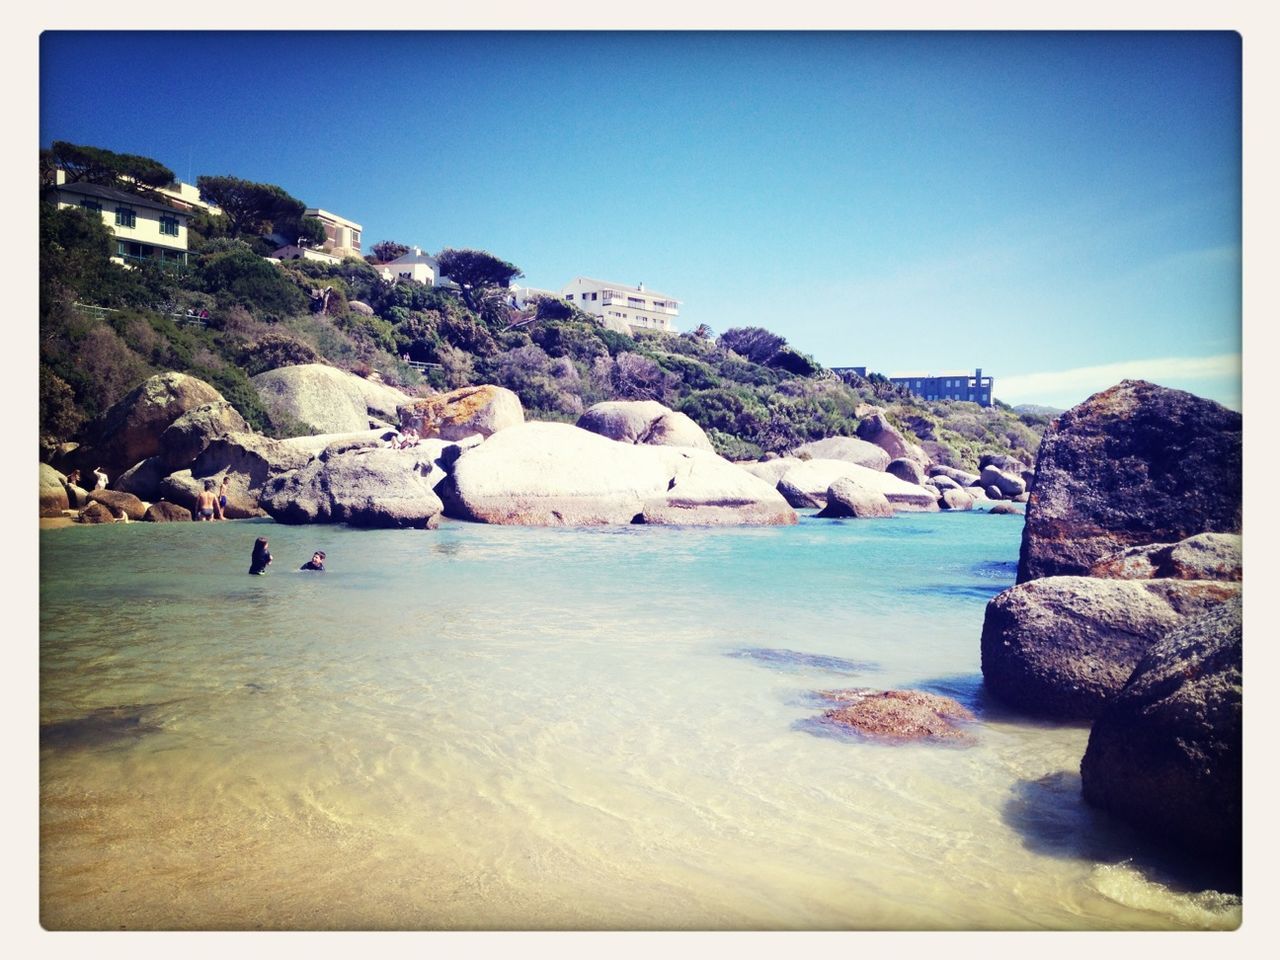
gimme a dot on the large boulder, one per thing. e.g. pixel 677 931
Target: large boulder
pixel 877 429
pixel 643 421
pixel 186 438
pixel 96 512
pixel 1206 556
pixel 162 511
pixel 553 474
pixel 707 490
pixel 461 413
pixel 954 498
pixel 851 449
pixel 129 432
pixel 143 479
pixel 848 498
pixel 962 477
pixel 1165 755
pixel 119 503
pixel 53 492
pixel 364 487
pixel 1002 462
pixel 330 400
pixel 771 471
pixel 806 485
pixel 906 469
pixel 1063 647
pixel 1009 484
pixel 1135 464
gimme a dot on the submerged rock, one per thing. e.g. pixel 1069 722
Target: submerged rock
pixel 1165 755
pixel 1063 647
pixel 900 716
pixel 1135 464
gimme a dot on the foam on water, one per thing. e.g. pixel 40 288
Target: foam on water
pixel 494 728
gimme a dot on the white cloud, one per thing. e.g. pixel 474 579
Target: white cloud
pixel 1217 377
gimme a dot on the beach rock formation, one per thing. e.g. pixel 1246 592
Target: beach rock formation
pixel 1009 484
pixel 461 413
pixel 96 512
pixel 848 498
pixel 907 470
pixel 363 487
pixel 553 474
pixel 1062 647
pixel 129 432
pixel 330 400
pixel 186 438
pixel 1135 464
pixel 956 499
pixel 1007 509
pixel 143 479
pixel 1206 556
pixel 53 492
pixel 771 470
pixel 119 502
pixel 962 477
pixel 877 429
pixel 851 449
pixel 162 511
pixel 1165 754
pixel 643 421
pixel 806 484
pixel 1003 462
pixel 899 716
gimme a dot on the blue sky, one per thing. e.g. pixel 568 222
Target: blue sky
pixel 1061 209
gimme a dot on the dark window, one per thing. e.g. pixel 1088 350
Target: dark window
pixel 168 225
pixel 125 217
pixel 93 205
pixel 569 296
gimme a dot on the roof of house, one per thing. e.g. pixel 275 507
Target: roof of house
pixel 627 287
pixel 119 196
pixel 326 215
pixel 415 256
pixel 932 376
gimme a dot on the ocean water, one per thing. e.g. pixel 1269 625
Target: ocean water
pixel 506 728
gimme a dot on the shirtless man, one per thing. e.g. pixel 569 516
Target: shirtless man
pixel 207 502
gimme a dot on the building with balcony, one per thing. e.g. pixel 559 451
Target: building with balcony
pixel 147 228
pixel 638 308
pixel 973 387
pixel 341 236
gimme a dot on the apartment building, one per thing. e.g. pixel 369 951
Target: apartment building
pixel 147 228
pixel 638 308
pixel 341 236
pixel 973 387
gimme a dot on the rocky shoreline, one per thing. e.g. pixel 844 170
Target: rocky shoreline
pixel 473 456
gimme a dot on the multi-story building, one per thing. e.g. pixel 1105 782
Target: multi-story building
pixel 973 387
pixel 638 308
pixel 341 236
pixel 148 228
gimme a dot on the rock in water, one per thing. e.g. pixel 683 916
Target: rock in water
pixel 162 511
pixel 806 485
pixel 1165 755
pixel 1062 647
pixel 1135 464
pixel 363 487
pixel 119 502
pixel 900 715
pixel 848 498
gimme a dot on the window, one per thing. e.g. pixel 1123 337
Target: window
pixel 568 296
pixel 594 296
pixel 125 217
pixel 93 205
pixel 168 225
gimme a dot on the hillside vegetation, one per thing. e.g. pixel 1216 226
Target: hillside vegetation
pixel 748 388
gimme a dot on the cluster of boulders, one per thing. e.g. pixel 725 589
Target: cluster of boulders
pixel 879 472
pixel 1127 609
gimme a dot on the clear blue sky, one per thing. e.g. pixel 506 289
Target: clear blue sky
pixel 1061 209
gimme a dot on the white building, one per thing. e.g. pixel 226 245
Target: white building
pixel 341 236
pixel 414 265
pixel 521 297
pixel 147 228
pixel 638 308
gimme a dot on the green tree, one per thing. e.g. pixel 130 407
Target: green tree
pixel 251 208
pixel 387 250
pixel 474 271
pixel 126 171
pixel 311 232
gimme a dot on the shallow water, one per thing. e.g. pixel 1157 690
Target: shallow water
pixel 493 727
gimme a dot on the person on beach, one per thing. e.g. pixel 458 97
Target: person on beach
pixel 261 557
pixel 207 502
pixel 222 496
pixel 315 563
pixel 101 482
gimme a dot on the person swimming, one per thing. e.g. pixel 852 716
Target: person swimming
pixel 261 557
pixel 315 563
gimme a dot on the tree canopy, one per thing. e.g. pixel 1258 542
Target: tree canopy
pixel 387 250
pixel 126 171
pixel 253 208
pixel 476 270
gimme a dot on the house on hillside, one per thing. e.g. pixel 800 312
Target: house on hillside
pixel 638 308
pixel 973 387
pixel 185 196
pixel 414 265
pixel 148 228
pixel 341 236
pixel 520 297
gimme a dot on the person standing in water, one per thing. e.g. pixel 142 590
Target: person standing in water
pixel 222 496
pixel 207 502
pixel 261 557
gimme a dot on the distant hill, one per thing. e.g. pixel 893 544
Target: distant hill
pixel 1037 410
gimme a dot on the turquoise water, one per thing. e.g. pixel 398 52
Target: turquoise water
pixel 496 728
